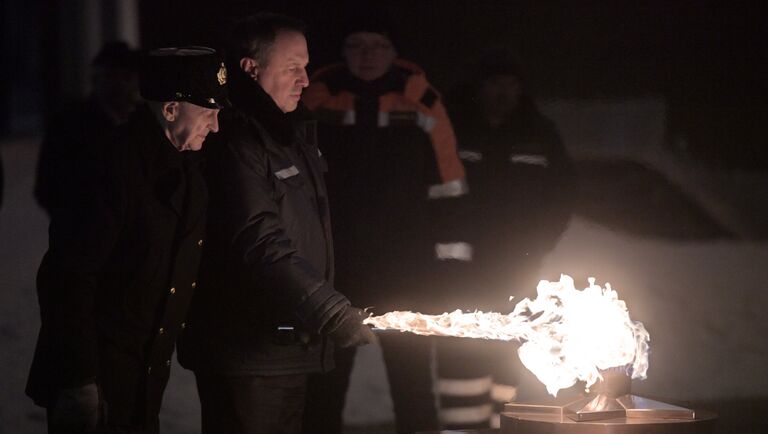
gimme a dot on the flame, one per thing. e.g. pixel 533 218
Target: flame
pixel 567 335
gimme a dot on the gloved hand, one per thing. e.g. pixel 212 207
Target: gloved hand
pixel 75 410
pixel 346 329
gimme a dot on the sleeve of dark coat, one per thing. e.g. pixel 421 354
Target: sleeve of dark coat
pixel 80 242
pixel 259 239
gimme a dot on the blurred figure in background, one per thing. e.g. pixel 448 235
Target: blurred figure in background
pixel 76 142
pixel 523 186
pixel 393 175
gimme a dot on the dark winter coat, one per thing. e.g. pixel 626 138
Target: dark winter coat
pixel 266 285
pixel 523 188
pixel 116 282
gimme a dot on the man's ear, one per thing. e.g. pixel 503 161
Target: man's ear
pixel 250 67
pixel 170 110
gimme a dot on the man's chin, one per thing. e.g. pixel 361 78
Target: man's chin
pixel 192 146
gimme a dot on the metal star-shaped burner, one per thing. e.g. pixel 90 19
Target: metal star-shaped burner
pixel 609 408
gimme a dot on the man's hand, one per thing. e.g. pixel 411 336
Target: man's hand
pixel 75 410
pixel 347 329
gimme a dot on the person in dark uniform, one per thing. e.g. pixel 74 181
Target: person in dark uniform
pixel 523 190
pixel 76 142
pixel 116 282
pixel 266 313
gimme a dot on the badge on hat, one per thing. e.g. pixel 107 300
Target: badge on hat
pixel 222 74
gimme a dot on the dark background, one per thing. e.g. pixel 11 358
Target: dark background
pixel 706 58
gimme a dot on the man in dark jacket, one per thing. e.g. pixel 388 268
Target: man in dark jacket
pixel 266 304
pixel 116 282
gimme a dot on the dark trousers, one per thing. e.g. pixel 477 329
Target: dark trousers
pixel 409 361
pixel 251 404
pixel 326 395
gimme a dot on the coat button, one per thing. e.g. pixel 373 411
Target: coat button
pixel 194 284
pixel 167 363
pixel 200 243
pixel 161 331
pixel 149 369
pixel 173 290
pixel 183 325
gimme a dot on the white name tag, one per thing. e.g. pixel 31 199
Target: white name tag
pixel 287 172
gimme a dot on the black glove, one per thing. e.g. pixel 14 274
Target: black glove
pixel 346 329
pixel 75 410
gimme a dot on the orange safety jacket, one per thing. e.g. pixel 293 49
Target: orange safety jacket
pixel 414 101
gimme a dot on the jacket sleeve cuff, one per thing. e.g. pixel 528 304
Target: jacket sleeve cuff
pixel 321 306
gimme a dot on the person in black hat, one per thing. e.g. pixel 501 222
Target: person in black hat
pixel 116 282
pixel 73 150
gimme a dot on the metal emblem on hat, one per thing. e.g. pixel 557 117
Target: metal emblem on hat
pixel 222 74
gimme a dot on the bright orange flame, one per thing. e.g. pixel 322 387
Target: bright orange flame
pixel 567 334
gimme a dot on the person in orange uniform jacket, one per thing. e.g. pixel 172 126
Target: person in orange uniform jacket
pixel 394 181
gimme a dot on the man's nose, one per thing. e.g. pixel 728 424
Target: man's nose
pixel 303 80
pixel 215 122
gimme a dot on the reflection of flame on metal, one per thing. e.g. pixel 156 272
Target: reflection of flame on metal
pixel 567 335
pixel 612 398
pixel 609 408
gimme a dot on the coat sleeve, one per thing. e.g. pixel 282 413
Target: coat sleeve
pixel 260 240
pixel 80 242
pixel 448 187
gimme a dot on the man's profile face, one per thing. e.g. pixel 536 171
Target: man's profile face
pixel 188 130
pixel 368 55
pixel 285 75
